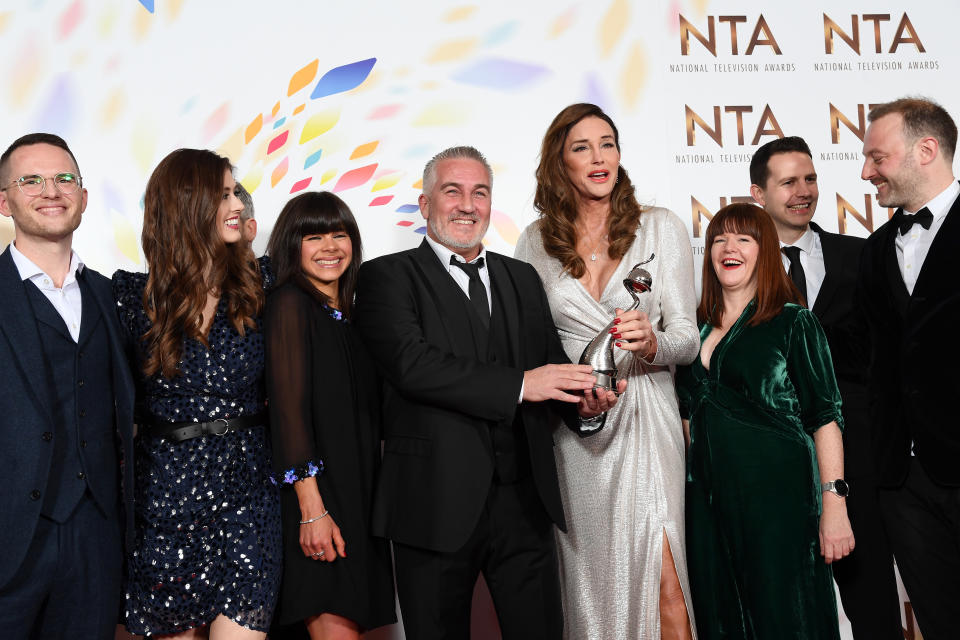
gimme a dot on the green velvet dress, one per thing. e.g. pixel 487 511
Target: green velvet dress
pixel 753 485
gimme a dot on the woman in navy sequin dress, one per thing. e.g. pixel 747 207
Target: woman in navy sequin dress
pixel 207 559
pixel 324 403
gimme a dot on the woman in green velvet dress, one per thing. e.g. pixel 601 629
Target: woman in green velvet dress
pixel 762 414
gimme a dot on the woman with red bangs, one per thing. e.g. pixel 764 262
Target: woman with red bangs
pixel 206 561
pixel 765 497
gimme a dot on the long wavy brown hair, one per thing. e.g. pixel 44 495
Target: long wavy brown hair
pixel 556 198
pixel 187 258
pixel 774 286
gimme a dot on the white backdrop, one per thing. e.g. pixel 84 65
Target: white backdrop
pixel 355 97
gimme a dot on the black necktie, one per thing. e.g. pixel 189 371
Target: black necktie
pixel 478 293
pixel 796 270
pixel 923 217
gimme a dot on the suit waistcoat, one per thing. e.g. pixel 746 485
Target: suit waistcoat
pixel 510 450
pixel 81 388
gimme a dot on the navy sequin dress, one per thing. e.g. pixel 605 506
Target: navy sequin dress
pixel 207 513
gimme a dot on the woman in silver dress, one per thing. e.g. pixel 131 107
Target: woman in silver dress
pixel 622 562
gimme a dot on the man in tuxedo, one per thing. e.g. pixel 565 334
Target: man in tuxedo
pixel 824 267
pixel 472 361
pixel 66 405
pixel 910 294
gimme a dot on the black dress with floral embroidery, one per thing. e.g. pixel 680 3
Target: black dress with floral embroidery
pixel 207 511
pixel 325 422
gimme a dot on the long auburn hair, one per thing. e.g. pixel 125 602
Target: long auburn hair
pixel 181 242
pixel 556 197
pixel 774 287
pixel 314 212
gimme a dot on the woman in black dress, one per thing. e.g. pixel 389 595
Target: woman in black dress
pixel 325 421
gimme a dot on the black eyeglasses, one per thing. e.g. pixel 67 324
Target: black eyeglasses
pixel 66 183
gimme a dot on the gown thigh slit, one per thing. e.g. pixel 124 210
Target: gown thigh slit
pixel 623 487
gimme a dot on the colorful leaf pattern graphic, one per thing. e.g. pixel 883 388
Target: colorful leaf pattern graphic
pixel 338 124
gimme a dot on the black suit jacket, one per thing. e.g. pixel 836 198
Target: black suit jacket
pixel 439 399
pixel 914 383
pixel 25 401
pixel 842 322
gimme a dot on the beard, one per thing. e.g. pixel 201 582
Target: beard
pixel 453 242
pixel 902 189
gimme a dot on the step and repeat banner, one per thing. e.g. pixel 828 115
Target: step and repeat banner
pixel 355 97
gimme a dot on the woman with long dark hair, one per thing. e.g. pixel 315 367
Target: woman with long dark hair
pixel 622 561
pixel 207 555
pixel 325 417
pixel 765 491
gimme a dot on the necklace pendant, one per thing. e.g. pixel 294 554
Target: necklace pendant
pixel 593 257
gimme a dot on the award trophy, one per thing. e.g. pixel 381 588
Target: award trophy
pixel 599 352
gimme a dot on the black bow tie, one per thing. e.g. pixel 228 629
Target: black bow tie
pixel 923 217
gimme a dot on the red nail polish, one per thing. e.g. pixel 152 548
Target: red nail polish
pixel 616 321
pixel 617 334
pixel 613 330
pixel 618 344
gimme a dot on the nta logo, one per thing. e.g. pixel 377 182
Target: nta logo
pixel 710 41
pixel 766 126
pixel 762 35
pixel 853 37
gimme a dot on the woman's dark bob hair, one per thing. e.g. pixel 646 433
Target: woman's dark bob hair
pixel 314 212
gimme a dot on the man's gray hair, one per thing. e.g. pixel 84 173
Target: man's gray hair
pixel 470 153
pixel 244 196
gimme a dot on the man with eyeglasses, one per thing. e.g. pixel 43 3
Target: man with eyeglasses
pixel 65 408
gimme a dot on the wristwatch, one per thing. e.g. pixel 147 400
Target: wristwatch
pixel 838 486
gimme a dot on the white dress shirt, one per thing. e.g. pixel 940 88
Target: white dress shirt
pixel 66 300
pixel 912 249
pixel 811 259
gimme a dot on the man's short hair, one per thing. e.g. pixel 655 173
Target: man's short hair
pixel 760 163
pixel 244 196
pixel 922 117
pixel 27 140
pixel 470 153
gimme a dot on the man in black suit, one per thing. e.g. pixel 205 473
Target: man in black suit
pixel 824 267
pixel 468 484
pixel 67 403
pixel 909 290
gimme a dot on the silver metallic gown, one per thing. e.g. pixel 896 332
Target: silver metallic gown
pixel 624 486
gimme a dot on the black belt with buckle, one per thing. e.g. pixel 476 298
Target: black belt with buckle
pixel 180 431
